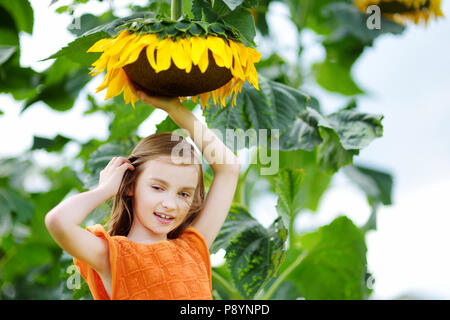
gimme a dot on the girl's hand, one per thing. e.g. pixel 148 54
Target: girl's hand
pixel 164 103
pixel 111 176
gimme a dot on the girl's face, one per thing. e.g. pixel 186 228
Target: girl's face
pixel 163 194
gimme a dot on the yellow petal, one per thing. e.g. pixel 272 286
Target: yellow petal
pixel 120 44
pixel 187 49
pixel 204 97
pixel 116 84
pixel 217 46
pixel 163 55
pixel 128 54
pixel 198 46
pixel 242 54
pixel 151 55
pixel 99 45
pixel 204 61
pixel 178 55
pixel 218 59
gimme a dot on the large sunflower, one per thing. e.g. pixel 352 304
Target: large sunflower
pixel 402 11
pixel 175 58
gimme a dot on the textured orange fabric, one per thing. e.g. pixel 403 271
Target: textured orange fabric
pixel 176 269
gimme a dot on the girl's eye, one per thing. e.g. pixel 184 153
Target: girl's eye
pixel 186 195
pixel 156 187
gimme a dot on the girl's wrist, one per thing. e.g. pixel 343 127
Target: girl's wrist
pixel 102 193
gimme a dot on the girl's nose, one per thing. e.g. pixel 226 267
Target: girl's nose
pixel 168 203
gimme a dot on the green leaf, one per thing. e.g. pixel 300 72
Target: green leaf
pixel 288 184
pixel 335 78
pixel 22 12
pixel 232 4
pixel 330 154
pixel 243 21
pixel 61 95
pixel 26 257
pixel 238 220
pixel 356 129
pixel 377 185
pixel 203 11
pixel 315 181
pixel 275 106
pixel 6 52
pixel 12 201
pixel 254 256
pixel 334 263
pixel 126 119
pixel 351 21
pixel 51 145
pixel 342 134
pixel 89 21
pixel 21 82
pixel 76 50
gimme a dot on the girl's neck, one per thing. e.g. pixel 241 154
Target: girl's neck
pixel 139 233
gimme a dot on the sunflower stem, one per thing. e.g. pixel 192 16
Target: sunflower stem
pixel 176 9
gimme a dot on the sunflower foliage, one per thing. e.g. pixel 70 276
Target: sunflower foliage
pixel 270 261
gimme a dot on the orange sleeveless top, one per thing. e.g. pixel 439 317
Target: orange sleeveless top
pixel 175 269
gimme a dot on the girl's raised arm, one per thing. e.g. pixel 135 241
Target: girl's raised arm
pixel 63 221
pixel 222 160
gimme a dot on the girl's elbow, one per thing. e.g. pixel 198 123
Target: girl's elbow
pixel 52 221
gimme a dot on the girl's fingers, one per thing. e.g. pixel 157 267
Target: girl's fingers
pixel 125 166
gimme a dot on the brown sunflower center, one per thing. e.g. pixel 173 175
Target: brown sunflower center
pixel 400 7
pixel 175 82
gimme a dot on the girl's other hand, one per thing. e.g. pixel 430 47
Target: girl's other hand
pixel 164 103
pixel 111 176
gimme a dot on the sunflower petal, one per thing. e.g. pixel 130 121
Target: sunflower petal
pixel 198 46
pixel 179 56
pixel 163 55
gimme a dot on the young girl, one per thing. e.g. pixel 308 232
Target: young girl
pixel 161 227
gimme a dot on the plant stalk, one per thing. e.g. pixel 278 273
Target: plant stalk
pixel 283 276
pixel 176 9
pixel 232 291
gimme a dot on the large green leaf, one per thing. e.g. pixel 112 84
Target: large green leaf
pixel 126 119
pixel 62 95
pixel 335 78
pixel 333 262
pixel 22 12
pixel 13 201
pixel 51 145
pixel 254 256
pixel 238 220
pixel 253 253
pixel 18 263
pixel 342 134
pixel 376 184
pixel 351 21
pixel 76 50
pixel 6 52
pixel 275 106
pixel 243 21
pixel 288 183
pixel 315 181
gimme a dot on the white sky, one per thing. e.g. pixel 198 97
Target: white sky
pixel 407 77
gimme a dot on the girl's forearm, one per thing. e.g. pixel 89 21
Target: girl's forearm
pixel 73 210
pixel 217 154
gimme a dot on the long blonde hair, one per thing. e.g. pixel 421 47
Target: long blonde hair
pixel 153 147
